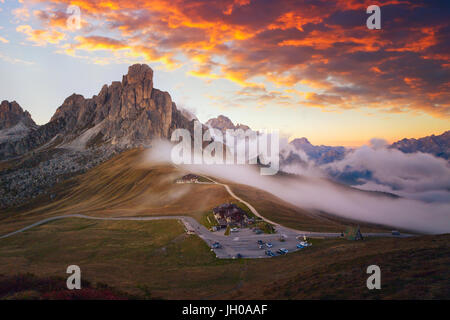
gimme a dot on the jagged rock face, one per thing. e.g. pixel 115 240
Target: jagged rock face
pixel 436 145
pixel 127 114
pixel 130 112
pixel 15 125
pixel 11 114
pixel 223 123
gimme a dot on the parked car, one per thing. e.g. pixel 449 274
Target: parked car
pixel 261 246
pixel 395 233
pixel 300 246
pixel 216 245
pixel 305 244
pixel 260 242
pixel 234 229
pixel 270 253
pixel 238 256
pixel 283 251
pixel 269 245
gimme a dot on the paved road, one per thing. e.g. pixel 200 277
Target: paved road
pixel 244 241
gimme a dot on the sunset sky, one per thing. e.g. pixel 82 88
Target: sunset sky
pixel 309 68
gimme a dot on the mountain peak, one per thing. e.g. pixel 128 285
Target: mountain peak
pixel 224 123
pixel 125 114
pixel 438 145
pixel 11 113
pixel 221 123
pixel 300 142
pixel 138 73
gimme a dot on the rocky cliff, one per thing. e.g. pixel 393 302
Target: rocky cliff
pixel 15 124
pixel 125 114
pixel 12 114
pixel 82 134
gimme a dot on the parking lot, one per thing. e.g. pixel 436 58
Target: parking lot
pixel 245 242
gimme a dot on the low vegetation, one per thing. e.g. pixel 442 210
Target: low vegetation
pixel 28 286
pixel 208 220
pixel 157 259
pixel 265 227
pixel 204 179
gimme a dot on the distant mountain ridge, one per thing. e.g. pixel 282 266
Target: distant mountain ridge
pixel 224 123
pixel 85 132
pixel 319 154
pixel 437 145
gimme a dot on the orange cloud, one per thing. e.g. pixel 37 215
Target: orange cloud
pixel 257 44
pixel 41 37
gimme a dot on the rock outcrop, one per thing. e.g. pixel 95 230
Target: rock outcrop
pixel 12 114
pixel 82 134
pixel 15 125
pixel 126 114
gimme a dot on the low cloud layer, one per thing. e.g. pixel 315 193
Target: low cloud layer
pixel 416 175
pixel 377 167
pixel 320 194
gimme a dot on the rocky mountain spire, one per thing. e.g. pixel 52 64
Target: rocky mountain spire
pixel 127 114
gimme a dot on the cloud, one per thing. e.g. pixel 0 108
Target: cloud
pixel 21 13
pixel 326 47
pixel 375 167
pixel 123 50
pixel 14 60
pixel 413 175
pixel 4 40
pixel 319 194
pixel 41 37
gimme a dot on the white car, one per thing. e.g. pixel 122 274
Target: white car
pixel 234 229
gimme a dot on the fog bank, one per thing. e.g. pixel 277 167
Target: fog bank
pixel 316 193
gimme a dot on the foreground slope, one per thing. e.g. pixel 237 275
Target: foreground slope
pixel 159 260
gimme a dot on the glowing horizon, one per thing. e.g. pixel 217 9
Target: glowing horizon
pixel 310 69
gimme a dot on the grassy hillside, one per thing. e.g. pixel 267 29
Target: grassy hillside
pixel 123 186
pixel 120 186
pixel 156 259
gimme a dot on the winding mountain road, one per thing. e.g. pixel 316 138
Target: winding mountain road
pixel 243 242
